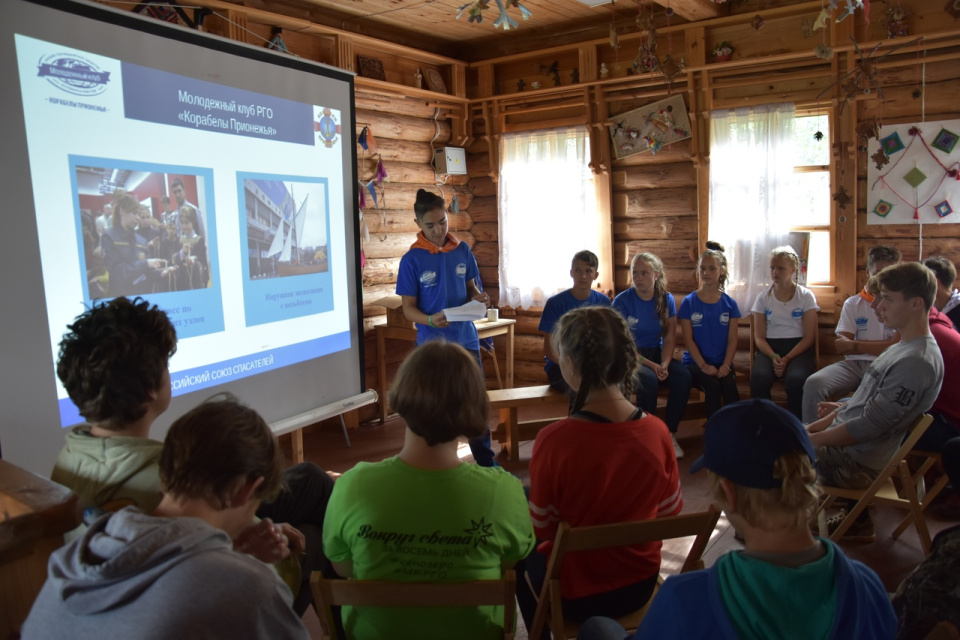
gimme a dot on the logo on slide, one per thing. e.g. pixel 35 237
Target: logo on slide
pixel 327 127
pixel 73 74
pixel 462 270
pixel 428 278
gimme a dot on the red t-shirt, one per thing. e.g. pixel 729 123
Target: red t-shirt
pixel 948 402
pixel 590 473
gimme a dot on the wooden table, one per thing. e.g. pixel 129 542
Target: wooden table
pixel 485 329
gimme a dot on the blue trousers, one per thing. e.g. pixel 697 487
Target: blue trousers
pixel 678 381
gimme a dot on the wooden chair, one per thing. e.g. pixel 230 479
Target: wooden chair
pixel 379 593
pixel 884 491
pixel 606 536
pixel 927 460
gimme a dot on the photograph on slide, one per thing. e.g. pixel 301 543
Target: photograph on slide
pixel 141 232
pixel 286 270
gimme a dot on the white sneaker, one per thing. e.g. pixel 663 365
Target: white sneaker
pixel 677 449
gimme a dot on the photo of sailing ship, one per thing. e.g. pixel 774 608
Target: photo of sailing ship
pixel 286 228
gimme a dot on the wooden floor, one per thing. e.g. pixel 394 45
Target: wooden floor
pixel 892 559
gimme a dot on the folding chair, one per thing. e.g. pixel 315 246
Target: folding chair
pixel 606 536
pixel 927 461
pixel 379 593
pixel 884 491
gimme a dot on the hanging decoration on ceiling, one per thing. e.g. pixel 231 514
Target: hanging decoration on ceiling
pixel 650 128
pixel 646 59
pixel 953 8
pixel 850 6
pixel 863 78
pixel 475 11
pixel 895 19
pixel 920 176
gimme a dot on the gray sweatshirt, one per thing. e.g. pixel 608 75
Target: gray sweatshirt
pixel 900 384
pixel 137 576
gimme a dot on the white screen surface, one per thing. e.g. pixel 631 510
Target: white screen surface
pixel 265 295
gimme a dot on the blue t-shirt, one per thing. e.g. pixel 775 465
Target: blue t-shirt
pixel 561 303
pixel 439 281
pixel 643 318
pixel 711 326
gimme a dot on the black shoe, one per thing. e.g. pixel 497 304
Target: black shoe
pixel 860 531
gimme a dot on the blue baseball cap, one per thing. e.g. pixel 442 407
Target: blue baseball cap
pixel 743 440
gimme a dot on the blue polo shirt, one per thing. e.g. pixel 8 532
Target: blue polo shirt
pixel 439 281
pixel 561 303
pixel 711 326
pixel 642 317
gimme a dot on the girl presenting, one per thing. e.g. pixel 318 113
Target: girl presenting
pixel 437 273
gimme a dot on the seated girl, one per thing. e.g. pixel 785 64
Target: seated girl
pixel 651 315
pixel 785 324
pixel 424 515
pixel 608 462
pixel 709 318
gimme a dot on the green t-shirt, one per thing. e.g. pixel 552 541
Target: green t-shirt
pixel 766 600
pixel 397 522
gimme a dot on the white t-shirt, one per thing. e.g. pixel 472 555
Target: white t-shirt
pixel 785 319
pixel 859 320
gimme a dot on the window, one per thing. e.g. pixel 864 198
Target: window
pixel 547 212
pixel 810 194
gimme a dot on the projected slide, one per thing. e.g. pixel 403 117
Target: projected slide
pixel 223 206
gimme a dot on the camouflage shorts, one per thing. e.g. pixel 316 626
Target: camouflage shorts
pixel 836 468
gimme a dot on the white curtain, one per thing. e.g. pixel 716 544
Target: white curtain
pixel 751 168
pixel 547 212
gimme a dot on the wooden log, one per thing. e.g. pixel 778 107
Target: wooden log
pixel 527 325
pixel 676 152
pixel 478 165
pixel 529 373
pixel 367 101
pixel 397 244
pixel 874 233
pixel 485 231
pixel 487 253
pixel 484 209
pixel 380 271
pixel 399 172
pixel 946 247
pixel 640 202
pixel 403 195
pixel 655 176
pixel 377 291
pixel 490 276
pixel 528 347
pixel 483 186
pixel 404 221
pixel 388 125
pixel 657 228
pixel 670 252
pixel 940 102
pixel 392 150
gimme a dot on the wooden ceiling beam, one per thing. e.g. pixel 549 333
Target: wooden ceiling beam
pixel 694 10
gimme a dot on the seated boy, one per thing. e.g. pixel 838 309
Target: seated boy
pixel 113 364
pixel 785 583
pixel 861 337
pixel 948 298
pixel 856 440
pixel 174 574
pixel 583 270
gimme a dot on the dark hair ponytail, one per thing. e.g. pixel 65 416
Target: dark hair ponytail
pixel 426 202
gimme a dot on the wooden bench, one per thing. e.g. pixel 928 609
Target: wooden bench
pixel 511 431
